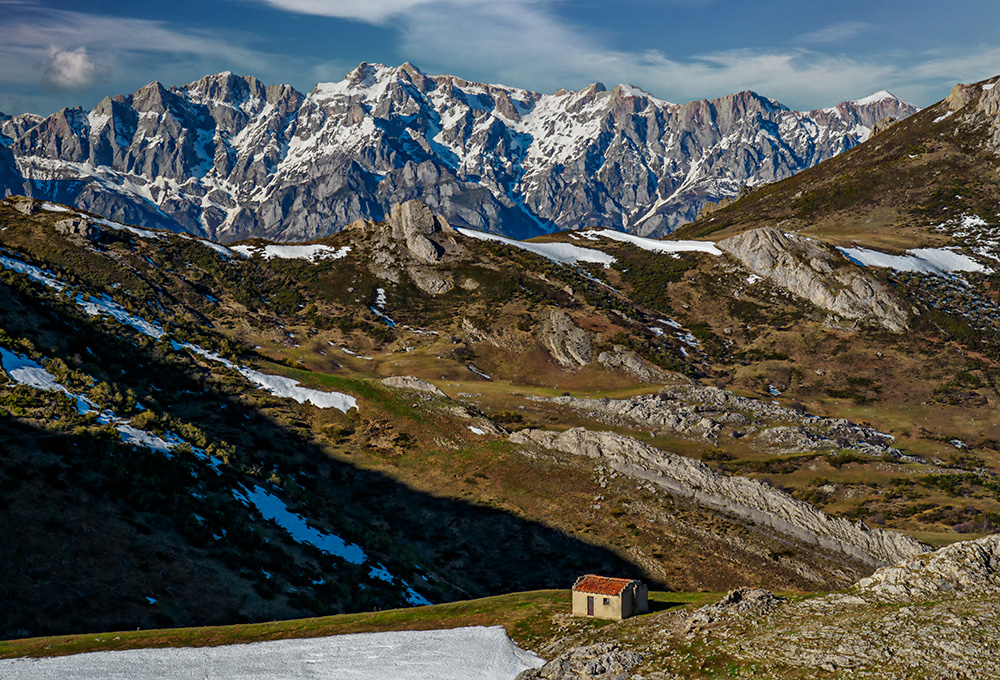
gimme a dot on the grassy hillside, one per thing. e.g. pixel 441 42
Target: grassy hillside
pixel 112 535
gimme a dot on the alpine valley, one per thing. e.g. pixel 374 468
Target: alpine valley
pixel 792 398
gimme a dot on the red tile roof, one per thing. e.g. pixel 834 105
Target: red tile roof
pixel 601 585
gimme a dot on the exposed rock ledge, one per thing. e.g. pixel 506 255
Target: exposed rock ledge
pixel 818 273
pixel 966 568
pixel 748 499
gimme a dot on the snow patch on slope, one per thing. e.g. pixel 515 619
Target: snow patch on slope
pixel 25 371
pixel 563 253
pixel 278 385
pixel 652 244
pixel 311 253
pixel 274 509
pixel 924 260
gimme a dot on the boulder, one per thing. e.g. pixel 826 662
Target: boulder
pixel 603 661
pixel 882 124
pixel 412 223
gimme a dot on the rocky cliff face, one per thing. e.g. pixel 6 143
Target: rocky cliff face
pixel 745 498
pixel 229 157
pixel 818 273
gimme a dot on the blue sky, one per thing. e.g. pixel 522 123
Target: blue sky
pixel 804 54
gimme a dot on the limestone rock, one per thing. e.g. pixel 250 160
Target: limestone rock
pixel 413 223
pixel 430 281
pixel 706 413
pixel 408 382
pixel 742 603
pixel 883 124
pixel 75 227
pixel 989 103
pixel 960 96
pixel 26 206
pixel 819 274
pixel 411 242
pixel 965 568
pixel 624 359
pixel 748 499
pixel 603 661
pixel 568 343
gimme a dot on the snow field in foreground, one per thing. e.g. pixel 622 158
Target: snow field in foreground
pixel 460 654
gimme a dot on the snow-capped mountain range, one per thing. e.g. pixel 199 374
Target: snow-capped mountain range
pixel 228 157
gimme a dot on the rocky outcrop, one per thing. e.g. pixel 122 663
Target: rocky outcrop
pixel 930 616
pixel 603 661
pixel 77 228
pixel 883 124
pixel 623 359
pixel 744 498
pixel 709 413
pixel 413 223
pixel 408 382
pixel 819 274
pixel 989 105
pixel 25 206
pixel 412 242
pixel 244 159
pixel 961 96
pixel 968 568
pixel 568 343
pixel 739 603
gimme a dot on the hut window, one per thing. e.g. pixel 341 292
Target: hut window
pixel 607 602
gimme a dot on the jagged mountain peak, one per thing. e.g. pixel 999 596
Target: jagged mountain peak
pixel 881 95
pixel 228 157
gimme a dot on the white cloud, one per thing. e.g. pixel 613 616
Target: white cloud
pixel 56 51
pixel 374 11
pixel 67 71
pixel 835 33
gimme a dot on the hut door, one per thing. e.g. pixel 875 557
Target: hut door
pixel 590 605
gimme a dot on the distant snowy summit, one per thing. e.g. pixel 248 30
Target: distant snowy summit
pixel 228 157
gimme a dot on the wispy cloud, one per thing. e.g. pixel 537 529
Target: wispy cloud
pixel 835 33
pixel 529 43
pixel 374 11
pixel 524 43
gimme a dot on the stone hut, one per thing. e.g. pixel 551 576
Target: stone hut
pixel 609 598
